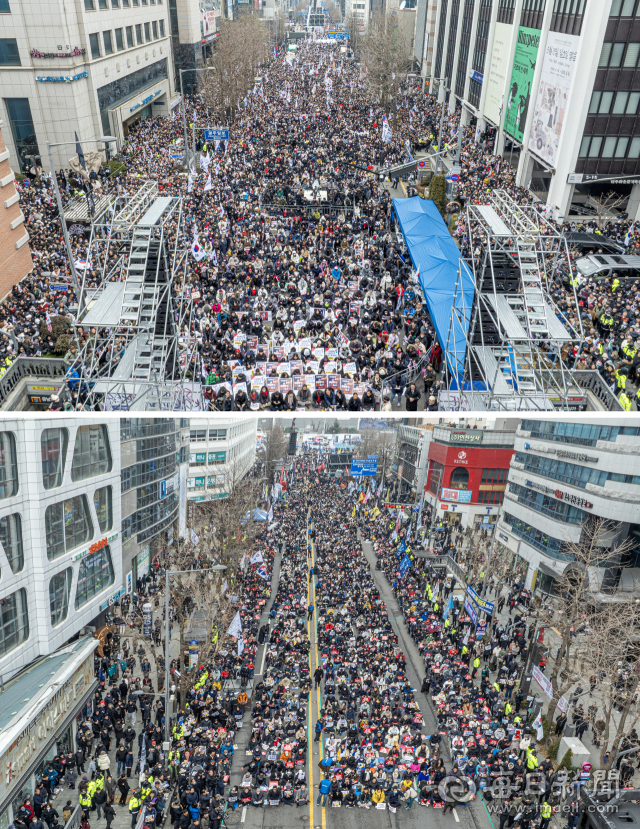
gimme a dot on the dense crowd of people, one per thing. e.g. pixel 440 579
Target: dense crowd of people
pixel 298 302
pixel 381 744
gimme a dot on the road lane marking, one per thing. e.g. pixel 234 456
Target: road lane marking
pixel 455 814
pixel 244 814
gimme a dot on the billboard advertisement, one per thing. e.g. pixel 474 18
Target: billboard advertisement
pixel 520 87
pixel 497 71
pixel 553 95
pixel 462 496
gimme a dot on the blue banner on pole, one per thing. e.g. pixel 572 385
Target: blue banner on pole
pixel 364 466
pixel 448 608
pixel 404 566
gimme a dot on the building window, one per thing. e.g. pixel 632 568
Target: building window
pixel 459 478
pixel 139 33
pixel 217 434
pixel 11 538
pixel 9 54
pixel 67 525
pixel 4 7
pixel 24 133
pixel 135 3
pixel 14 621
pixel 622 8
pixel 59 590
pixel 147 32
pixel 435 482
pixel 129 36
pixel 634 150
pixel 119 40
pixel 102 503
pixel 108 45
pixel 94 43
pixel 8 465
pixel 89 6
pixel 94 575
pixel 91 454
pixel 198 436
pixel 493 476
pixel 154 28
pixel 115 4
pixel 102 4
pixel 125 4
pixel 485 497
pixel 53 448
pixel 162 28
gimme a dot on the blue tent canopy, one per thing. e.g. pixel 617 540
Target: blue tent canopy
pixel 258 515
pixel 433 250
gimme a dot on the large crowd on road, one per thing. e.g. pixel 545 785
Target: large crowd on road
pixel 295 306
pixel 324 684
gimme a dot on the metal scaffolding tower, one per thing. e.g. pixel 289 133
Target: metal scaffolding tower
pixel 510 337
pixel 131 354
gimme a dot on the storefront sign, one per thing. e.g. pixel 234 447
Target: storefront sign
pixel 462 458
pixel 573 499
pixel 145 101
pixel 36 53
pixel 497 76
pixel 540 487
pixel 142 563
pixel 576 456
pixel 466 437
pixel 461 496
pixel 35 736
pixel 99 545
pixel 476 76
pixel 62 78
pixel 113 599
pixel 194 652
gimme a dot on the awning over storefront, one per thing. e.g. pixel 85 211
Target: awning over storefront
pixel 37 707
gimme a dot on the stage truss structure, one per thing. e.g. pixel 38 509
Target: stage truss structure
pixel 504 348
pixel 141 306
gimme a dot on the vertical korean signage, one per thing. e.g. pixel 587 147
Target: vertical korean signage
pixel 498 68
pixel 553 95
pixel 520 87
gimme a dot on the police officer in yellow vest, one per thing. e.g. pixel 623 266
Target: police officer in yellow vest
pixel 606 320
pixel 532 760
pixel 629 350
pixel 85 802
pixel 546 813
pixel 476 665
pixel 621 377
pixel 616 283
pixel 625 400
pixel 135 804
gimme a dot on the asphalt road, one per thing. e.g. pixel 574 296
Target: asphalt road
pixel 313 816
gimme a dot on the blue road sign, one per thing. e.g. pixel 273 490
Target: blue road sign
pixel 216 135
pixel 338 35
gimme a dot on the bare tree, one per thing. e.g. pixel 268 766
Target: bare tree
pixel 382 444
pixel 605 204
pixel 386 56
pixel 598 550
pixel 614 658
pixel 272 450
pixel 236 58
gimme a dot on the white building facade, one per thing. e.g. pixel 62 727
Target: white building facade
pixel 93 67
pixel 221 452
pixel 60 544
pixel 555 81
pixel 563 474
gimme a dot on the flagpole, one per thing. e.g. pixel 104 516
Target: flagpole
pixel 74 275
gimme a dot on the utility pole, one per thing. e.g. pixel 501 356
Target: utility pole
pixel 443 83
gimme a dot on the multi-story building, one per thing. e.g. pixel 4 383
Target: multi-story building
pixel 221 453
pixel 467 474
pixel 411 461
pixel 94 67
pixel 152 451
pixel 15 255
pixel 60 542
pixel 555 81
pixel 562 475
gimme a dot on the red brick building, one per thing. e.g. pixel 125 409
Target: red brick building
pixel 467 474
pixel 15 255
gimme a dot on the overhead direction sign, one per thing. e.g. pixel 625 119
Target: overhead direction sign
pixel 216 135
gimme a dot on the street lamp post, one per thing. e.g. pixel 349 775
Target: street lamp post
pixel 105 139
pixel 184 111
pixel 443 82
pixel 217 568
